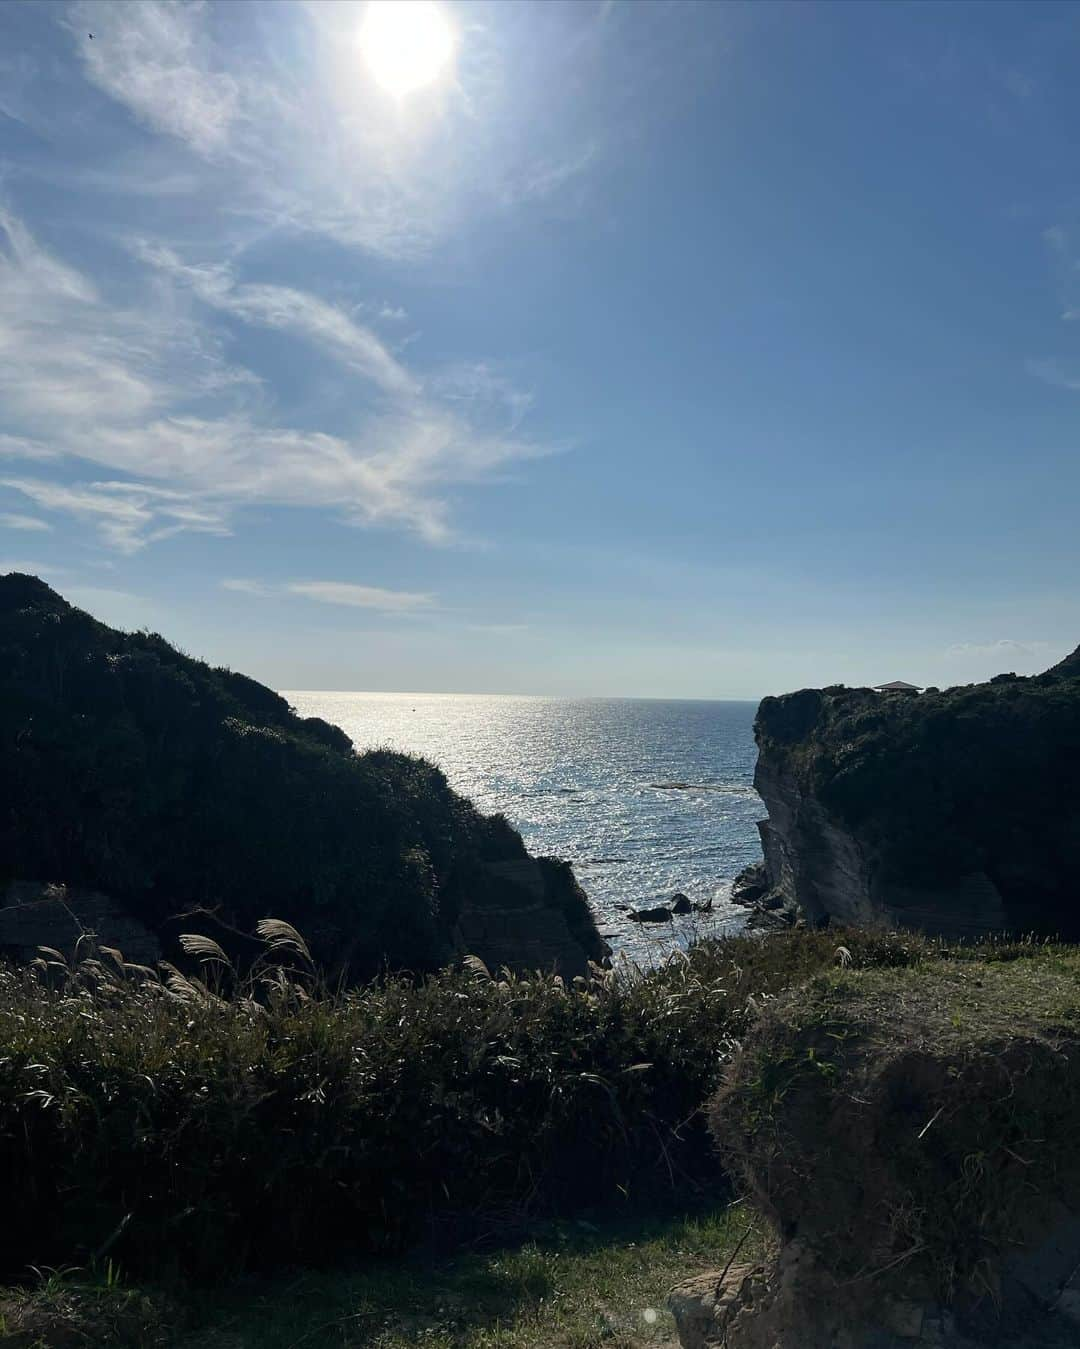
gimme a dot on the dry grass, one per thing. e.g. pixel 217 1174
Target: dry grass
pixel 208 1125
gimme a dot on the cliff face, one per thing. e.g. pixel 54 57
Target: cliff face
pixel 133 772
pixel 955 812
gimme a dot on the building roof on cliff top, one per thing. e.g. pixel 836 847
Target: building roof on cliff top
pixel 897 686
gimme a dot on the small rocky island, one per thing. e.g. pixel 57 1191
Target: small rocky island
pixel 955 812
pixel 145 793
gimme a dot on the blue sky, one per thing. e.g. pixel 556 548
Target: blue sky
pixel 674 350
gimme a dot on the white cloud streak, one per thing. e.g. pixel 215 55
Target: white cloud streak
pixel 242 586
pixel 25 523
pixel 147 392
pixel 22 447
pixel 155 58
pixel 127 515
pixel 360 596
pixel 292 311
pixel 346 593
pixel 1003 647
pixel 1061 374
pixel 68 358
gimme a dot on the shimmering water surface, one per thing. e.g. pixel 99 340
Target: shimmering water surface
pixel 645 797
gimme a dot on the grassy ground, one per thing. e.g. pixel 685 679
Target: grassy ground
pixel 574 1286
pixel 949 1093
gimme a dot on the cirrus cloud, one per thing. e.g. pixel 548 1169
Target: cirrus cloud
pixel 346 593
pixel 148 392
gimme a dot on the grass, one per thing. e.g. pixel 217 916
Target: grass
pixel 925 1115
pixel 193 1132
pixel 218 1125
pixel 574 1285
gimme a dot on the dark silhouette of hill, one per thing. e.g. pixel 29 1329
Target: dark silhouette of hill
pixel 955 810
pixel 138 771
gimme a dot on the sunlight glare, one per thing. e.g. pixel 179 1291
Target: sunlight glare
pixel 406 43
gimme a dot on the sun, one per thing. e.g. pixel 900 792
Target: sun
pixel 405 43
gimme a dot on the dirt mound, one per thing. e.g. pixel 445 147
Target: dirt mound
pixel 912 1137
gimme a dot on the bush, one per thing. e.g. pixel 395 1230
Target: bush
pixel 224 1123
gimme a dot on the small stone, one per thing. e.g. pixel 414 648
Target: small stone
pixel 750 884
pixel 680 903
pixel 661 914
pixel 701 1305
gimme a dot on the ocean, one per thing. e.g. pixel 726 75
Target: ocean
pixel 645 797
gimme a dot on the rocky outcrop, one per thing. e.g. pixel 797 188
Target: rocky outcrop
pixel 530 914
pixel 658 913
pixel 955 812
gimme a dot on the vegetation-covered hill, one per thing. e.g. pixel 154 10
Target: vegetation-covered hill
pixel 131 768
pixel 909 796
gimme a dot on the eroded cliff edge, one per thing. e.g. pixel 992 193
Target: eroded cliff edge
pixel 955 812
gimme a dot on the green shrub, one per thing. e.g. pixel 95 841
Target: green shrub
pixel 238 1123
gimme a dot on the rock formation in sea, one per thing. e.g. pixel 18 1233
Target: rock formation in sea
pixel 144 793
pixel 955 812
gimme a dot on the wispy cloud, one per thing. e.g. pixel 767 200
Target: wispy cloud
pixel 150 386
pixel 542 179
pixel 27 523
pixel 305 143
pixel 361 597
pixel 1065 262
pixel 69 358
pixel 1061 374
pixel 1003 647
pixel 346 593
pixel 293 311
pixel 157 60
pixel 28 568
pixel 22 447
pixel 148 392
pixel 127 515
pixel 242 586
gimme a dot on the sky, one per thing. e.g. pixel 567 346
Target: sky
pixel 664 350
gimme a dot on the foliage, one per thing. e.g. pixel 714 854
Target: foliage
pixel 131 768
pixel 946 783
pixel 225 1122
